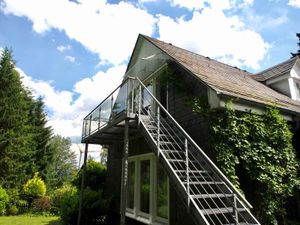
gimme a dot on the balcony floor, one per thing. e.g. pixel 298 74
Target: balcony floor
pixel 113 132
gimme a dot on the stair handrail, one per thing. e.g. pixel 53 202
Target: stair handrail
pixel 211 163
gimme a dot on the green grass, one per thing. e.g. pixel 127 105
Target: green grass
pixel 29 220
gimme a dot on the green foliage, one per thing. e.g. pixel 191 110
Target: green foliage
pixel 34 188
pixel 40 134
pixel 12 210
pixel 57 197
pixel 95 207
pixel 94 176
pixel 69 206
pixel 41 204
pixel 255 151
pixel 4 200
pixel 63 162
pixel 15 137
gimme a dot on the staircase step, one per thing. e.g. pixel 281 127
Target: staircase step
pixel 221 211
pixel 205 182
pixel 212 196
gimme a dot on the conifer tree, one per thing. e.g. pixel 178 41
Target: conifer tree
pixel 41 134
pixel 15 138
pixel 298 52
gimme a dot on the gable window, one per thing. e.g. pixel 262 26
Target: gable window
pixel 148 190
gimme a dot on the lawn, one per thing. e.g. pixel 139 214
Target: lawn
pixel 29 220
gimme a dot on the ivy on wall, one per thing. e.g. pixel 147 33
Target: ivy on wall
pixel 256 153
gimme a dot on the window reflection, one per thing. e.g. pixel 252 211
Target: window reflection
pixel 162 193
pixel 145 186
pixel 131 183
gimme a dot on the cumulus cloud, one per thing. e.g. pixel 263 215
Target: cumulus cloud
pixel 214 34
pixel 63 48
pixel 66 113
pixel 70 58
pixel 295 3
pixel 109 30
pixel 215 4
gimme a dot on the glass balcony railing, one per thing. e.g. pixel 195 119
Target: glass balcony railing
pixel 109 109
pixel 122 99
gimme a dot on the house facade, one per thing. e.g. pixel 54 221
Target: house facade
pixel 160 166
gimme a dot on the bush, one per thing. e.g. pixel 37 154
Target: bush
pixel 34 188
pixel 94 176
pixel 58 196
pixel 69 206
pixel 4 200
pixel 95 208
pixel 42 204
pixel 12 210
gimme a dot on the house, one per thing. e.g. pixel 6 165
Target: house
pixel 160 168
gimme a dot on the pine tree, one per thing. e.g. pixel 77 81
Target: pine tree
pixel 298 52
pixel 15 138
pixel 41 134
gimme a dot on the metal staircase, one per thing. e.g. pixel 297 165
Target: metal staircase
pixel 210 196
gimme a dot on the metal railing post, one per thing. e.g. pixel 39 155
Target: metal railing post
pixel 132 95
pixel 140 102
pixel 235 212
pixel 99 122
pixel 90 124
pixel 187 171
pixel 158 131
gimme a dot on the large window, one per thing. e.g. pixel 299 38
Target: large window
pixel 148 190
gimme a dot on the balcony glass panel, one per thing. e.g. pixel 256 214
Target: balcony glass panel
pixel 120 103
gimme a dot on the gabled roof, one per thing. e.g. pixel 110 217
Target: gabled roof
pixel 225 79
pixel 277 70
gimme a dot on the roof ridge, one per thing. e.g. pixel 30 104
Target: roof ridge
pixel 276 65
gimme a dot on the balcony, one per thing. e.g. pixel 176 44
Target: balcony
pixel 105 124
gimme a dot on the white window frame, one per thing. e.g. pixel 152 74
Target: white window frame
pixel 135 213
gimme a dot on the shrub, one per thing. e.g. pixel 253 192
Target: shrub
pixel 4 200
pixel 12 210
pixel 95 208
pixel 34 188
pixel 94 176
pixel 58 196
pixel 42 204
pixel 69 206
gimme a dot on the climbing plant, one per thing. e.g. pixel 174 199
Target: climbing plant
pixel 255 151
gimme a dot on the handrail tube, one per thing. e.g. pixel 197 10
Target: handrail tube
pixel 195 145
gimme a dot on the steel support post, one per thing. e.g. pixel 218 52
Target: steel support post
pixel 124 174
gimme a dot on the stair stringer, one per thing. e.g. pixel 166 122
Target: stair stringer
pixel 197 216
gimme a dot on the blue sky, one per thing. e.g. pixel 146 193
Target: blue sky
pixel 73 53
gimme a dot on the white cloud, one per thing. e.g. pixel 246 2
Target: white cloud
pixel 212 33
pixel 215 4
pixel 70 58
pixel 265 21
pixel 109 30
pixel 63 48
pixel 295 3
pixel 66 113
pixel 189 4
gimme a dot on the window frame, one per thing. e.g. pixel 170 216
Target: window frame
pixel 136 213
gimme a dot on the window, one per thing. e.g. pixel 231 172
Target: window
pixel 148 190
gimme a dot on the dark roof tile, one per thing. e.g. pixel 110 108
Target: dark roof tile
pixel 226 79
